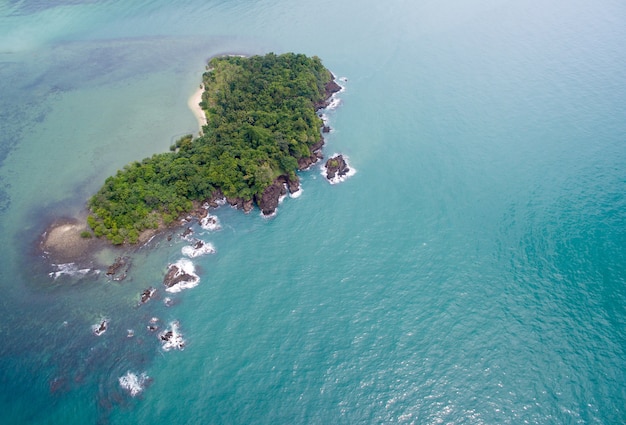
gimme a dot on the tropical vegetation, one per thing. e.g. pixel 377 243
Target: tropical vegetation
pixel 261 114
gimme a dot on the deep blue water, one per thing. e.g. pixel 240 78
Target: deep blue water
pixel 473 270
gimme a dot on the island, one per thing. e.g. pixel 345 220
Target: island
pixel 262 127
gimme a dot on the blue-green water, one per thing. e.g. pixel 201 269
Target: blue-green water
pixel 472 271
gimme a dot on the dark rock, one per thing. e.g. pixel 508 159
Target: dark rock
pixel 326 129
pixel 292 185
pixel 331 87
pixel 336 166
pixel 216 196
pixel 167 335
pixel 271 195
pixel 147 294
pixel 248 205
pixel 236 202
pixel 188 231
pixel 119 269
pixel 100 329
pixel 200 212
pixel 316 155
pixel 176 275
pixel 199 244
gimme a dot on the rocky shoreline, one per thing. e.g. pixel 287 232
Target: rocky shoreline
pixel 69 240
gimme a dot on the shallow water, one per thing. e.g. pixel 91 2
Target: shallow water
pixel 471 271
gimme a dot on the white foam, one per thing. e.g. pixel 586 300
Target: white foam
pixel 268 216
pixel 69 269
pixel 192 252
pixel 132 383
pixel 211 223
pixel 281 198
pixel 334 102
pixel 296 194
pixel 100 327
pixel 172 338
pixel 185 266
pixel 338 178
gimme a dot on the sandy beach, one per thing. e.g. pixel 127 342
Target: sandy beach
pixel 62 242
pixel 194 105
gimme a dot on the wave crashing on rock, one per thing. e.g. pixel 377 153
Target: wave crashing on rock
pixel 337 169
pixel 210 223
pixel 181 275
pixel 172 338
pixel 197 249
pixel 134 384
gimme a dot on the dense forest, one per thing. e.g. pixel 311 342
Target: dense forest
pixel 261 114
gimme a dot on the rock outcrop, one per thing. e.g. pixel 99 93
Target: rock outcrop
pixel 331 87
pixel 272 194
pixel 177 275
pixel 119 269
pixel 316 154
pixel 147 294
pixel 336 166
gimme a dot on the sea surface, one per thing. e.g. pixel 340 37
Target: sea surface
pixel 471 271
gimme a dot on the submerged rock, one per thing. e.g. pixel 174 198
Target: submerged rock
pixel 119 269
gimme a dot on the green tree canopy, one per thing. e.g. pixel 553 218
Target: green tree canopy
pixel 261 119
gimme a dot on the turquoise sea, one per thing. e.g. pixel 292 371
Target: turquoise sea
pixel 472 271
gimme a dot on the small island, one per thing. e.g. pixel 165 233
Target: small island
pixel 262 127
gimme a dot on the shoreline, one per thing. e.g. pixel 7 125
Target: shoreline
pixel 62 242
pixel 193 103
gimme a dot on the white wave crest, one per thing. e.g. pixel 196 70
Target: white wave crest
pixel 172 339
pixel 211 223
pixel 338 178
pixel 334 102
pixel 132 383
pixel 296 194
pixel 198 249
pixel 100 327
pixel 184 266
pixel 68 269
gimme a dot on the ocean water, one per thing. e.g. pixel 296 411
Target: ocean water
pixel 472 270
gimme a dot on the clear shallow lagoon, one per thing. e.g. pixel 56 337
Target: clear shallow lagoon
pixel 472 271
